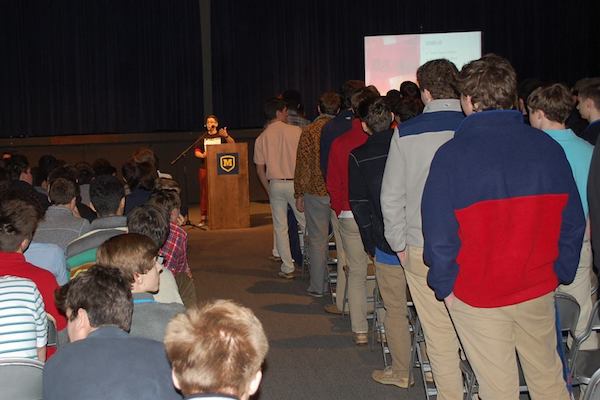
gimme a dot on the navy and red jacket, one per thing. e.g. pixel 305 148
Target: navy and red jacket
pixel 502 218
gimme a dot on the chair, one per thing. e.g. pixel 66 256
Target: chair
pixel 52 332
pixel 586 362
pixel 378 327
pixel 592 392
pixel 20 379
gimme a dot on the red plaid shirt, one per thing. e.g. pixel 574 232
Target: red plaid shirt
pixel 175 250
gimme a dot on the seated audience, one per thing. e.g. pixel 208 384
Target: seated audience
pixel 50 257
pixel 46 164
pixel 140 179
pixel 23 321
pixel 216 352
pixel 85 175
pixel 70 173
pixel 136 256
pixel 61 224
pixel 103 361
pixel 102 166
pixel 18 220
pixel 174 250
pixel 154 222
pixel 19 171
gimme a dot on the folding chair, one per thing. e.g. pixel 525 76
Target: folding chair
pixel 21 379
pixel 378 327
pixel 586 362
pixel 52 332
pixel 417 355
pixel 592 392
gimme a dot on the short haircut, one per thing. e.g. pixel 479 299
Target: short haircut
pixel 554 100
pixel 213 116
pixel 167 199
pixel 151 221
pixel 16 165
pixel 131 253
pixel 106 192
pixel 363 94
pixel 145 155
pixel 85 173
pixel 591 91
pixel 217 348
pixel 64 171
pixel 348 89
pixel 439 78
pixel 293 99
pixel 376 113
pixel 18 220
pixel 139 175
pixel 580 84
pixel 330 103
pixel 271 107
pixel 46 164
pixel 411 89
pixel 103 293
pixel 62 191
pixel 103 167
pixel 167 184
pixel 491 82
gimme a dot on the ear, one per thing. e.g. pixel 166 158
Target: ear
pixel 255 383
pixel 175 380
pixel 83 321
pixel 365 127
pixel 24 245
pixel 426 96
pixel 92 207
pixel 73 203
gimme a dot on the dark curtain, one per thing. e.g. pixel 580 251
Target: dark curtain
pixel 260 48
pixel 73 66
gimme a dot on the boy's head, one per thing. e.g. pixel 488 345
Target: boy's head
pixel 348 89
pixel 151 221
pixel 276 109
pixel 437 80
pixel 96 297
pixel 18 220
pixel 167 199
pixel 330 103
pixel 488 83
pixel 589 101
pixel 63 192
pixel 136 256
pixel 366 93
pixel 107 196
pixel 552 103
pixel 218 348
pixel 19 169
pixel 375 115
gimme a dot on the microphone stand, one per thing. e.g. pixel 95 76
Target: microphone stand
pixel 185 182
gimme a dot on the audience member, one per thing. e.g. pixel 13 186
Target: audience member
pixel 19 172
pixel 216 352
pixel 102 166
pixel 61 224
pixel 103 361
pixel 70 173
pixel 23 331
pixel 174 250
pixel 85 175
pixel 275 158
pixel 49 256
pixel 311 193
pixel 409 158
pixel 574 121
pixel 136 256
pixel 524 89
pixel 549 108
pixel 589 108
pixel 154 222
pixel 293 102
pixel 498 278
pixel 140 179
pixel 357 259
pixel 366 167
pixel 147 155
pixel 46 164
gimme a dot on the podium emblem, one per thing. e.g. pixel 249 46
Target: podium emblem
pixel 228 163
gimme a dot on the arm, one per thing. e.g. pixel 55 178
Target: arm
pixel 440 229
pixel 199 153
pixel 301 170
pixel 41 326
pixel 225 135
pixel 393 196
pixel 333 180
pixel 360 204
pixel 261 171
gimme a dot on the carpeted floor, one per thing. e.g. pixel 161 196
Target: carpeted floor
pixel 311 354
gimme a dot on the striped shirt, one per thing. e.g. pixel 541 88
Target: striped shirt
pixel 23 321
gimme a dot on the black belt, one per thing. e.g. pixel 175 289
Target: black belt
pixel 283 179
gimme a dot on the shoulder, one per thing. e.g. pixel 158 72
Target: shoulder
pixel 431 122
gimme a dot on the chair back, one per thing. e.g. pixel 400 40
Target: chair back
pixel 592 392
pixel 52 332
pixel 568 312
pixel 20 379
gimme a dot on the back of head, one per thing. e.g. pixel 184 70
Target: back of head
pixel 145 155
pixel 18 220
pixel 218 348
pixel 330 103
pixel 16 165
pixel 591 91
pixel 525 87
pixel 167 184
pixel 102 166
pixel 167 199
pixel 348 89
pixel 106 193
pixel 491 82
pixel 376 114
pixel 293 99
pixel 139 175
pixel 85 173
pixel 271 107
pixel 151 221
pixel 363 94
pixel 46 164
pixel 103 293
pixel 411 89
pixel 131 253
pixel 62 191
pixel 554 100
pixel 439 78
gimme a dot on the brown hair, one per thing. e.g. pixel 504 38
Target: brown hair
pixel 554 100
pixel 62 191
pixel 591 91
pixel 491 82
pixel 167 199
pixel 217 348
pixel 18 220
pixel 102 292
pixel 167 184
pixel 131 253
pixel 330 103
pixel 376 113
pixel 361 95
pixel 439 77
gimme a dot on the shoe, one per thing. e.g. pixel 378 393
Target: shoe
pixel 314 294
pixel 332 309
pixel 360 339
pixel 276 259
pixel 389 377
pixel 286 275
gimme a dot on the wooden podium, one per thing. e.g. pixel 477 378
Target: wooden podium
pixel 228 196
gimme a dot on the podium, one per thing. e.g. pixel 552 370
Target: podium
pixel 228 195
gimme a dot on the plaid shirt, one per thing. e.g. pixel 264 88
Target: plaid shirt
pixel 175 250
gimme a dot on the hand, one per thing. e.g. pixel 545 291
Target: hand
pixel 199 154
pixel 180 220
pixel 402 257
pixel 449 300
pixel 223 132
pixel 300 203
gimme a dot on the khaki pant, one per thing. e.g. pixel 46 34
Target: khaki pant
pixel 440 336
pixel 392 285
pixel 341 261
pixel 490 336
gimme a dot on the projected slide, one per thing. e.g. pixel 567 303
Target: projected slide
pixel 390 60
